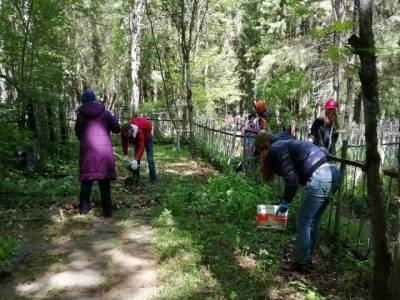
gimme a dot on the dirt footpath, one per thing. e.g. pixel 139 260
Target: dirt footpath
pixel 100 259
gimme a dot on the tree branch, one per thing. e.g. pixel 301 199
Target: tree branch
pixel 202 20
pixel 11 82
pixel 192 21
pixel 20 14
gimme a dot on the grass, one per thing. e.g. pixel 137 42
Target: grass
pixel 8 248
pixel 206 242
pixel 207 246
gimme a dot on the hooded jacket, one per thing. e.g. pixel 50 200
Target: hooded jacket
pixel 92 128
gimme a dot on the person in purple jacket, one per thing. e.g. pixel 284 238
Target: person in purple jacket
pixel 96 160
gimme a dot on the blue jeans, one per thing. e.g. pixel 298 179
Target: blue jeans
pixel 150 160
pixel 323 182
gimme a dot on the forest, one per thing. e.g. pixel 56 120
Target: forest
pixel 226 87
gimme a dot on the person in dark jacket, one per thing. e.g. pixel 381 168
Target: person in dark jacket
pixel 139 133
pixel 300 162
pixel 324 129
pixel 96 160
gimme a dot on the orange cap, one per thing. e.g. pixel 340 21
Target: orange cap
pixel 260 106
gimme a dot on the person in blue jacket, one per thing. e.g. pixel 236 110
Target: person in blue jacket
pixel 300 162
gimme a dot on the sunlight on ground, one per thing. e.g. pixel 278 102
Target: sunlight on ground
pixel 114 262
pixel 67 279
pixel 184 173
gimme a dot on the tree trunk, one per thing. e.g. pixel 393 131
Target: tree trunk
pixel 348 116
pixel 357 108
pixel 31 122
pixel 136 15
pixel 350 102
pixel 395 278
pixel 96 52
pixel 50 122
pixel 364 46
pixel 63 122
pixel 3 90
pixel 166 91
pixel 187 95
pixel 336 66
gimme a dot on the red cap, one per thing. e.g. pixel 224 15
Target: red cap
pixel 331 104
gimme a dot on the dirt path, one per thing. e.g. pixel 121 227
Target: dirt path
pixel 74 256
pixel 101 259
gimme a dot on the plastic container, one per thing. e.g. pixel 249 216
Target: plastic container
pixel 268 219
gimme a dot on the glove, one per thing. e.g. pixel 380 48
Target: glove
pixel 282 207
pixel 134 165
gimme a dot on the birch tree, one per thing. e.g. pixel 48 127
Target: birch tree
pixel 185 16
pixel 336 39
pixel 136 15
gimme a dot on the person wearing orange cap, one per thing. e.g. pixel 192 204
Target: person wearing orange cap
pixel 324 129
pixel 263 113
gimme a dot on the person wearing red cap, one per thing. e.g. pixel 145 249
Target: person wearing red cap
pixel 324 129
pixel 138 132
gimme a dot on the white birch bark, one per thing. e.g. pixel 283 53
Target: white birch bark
pixel 136 16
pixel 3 91
pixel 336 65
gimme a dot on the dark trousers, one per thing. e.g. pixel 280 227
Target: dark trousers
pixel 150 160
pixel 84 199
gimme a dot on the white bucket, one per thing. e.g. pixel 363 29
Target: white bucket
pixel 267 217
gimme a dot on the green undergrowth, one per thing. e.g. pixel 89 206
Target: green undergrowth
pixel 207 243
pixel 207 246
pixel 218 160
pixel 55 179
pixel 8 248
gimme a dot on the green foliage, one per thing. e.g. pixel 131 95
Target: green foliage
pixel 284 88
pixel 8 249
pixel 218 160
pixel 12 140
pixel 20 190
pixel 55 178
pixel 337 54
pixel 148 108
pixel 341 27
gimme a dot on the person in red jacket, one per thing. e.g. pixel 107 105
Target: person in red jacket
pixel 138 132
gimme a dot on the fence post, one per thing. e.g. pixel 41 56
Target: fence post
pixel 232 152
pixel 212 138
pixel 177 139
pixel 339 197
